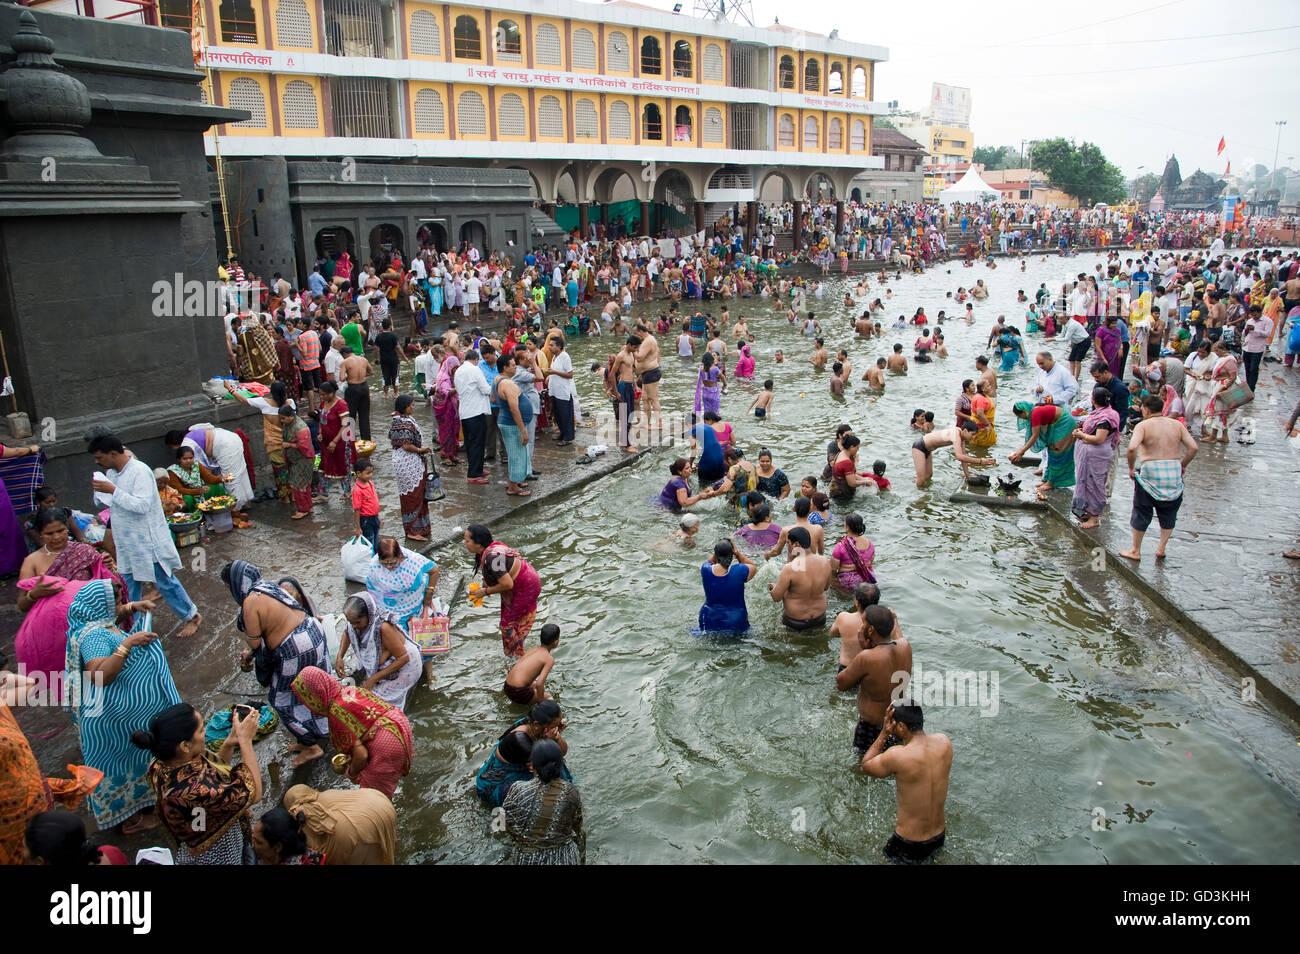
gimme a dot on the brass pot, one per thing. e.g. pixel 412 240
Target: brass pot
pixel 339 763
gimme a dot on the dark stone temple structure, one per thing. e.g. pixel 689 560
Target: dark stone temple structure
pixel 103 194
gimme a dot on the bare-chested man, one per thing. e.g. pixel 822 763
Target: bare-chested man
pixel 526 683
pixel 876 670
pixel 282 640
pixel 1158 454
pixel 848 626
pixel 353 373
pixel 819 355
pixel 740 330
pixel 647 369
pixel 801 588
pixel 845 369
pixel 875 377
pixel 921 766
pixel 624 373
pixel 927 444
pixel 897 362
pixel 863 326
pixel 802 508
pixel 987 378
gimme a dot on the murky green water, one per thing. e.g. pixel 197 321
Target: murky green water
pixel 689 751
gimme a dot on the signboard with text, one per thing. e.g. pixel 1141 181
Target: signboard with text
pixel 949 105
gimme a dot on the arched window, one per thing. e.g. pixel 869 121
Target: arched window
pixel 812 77
pixel 785 72
pixel 811 136
pixel 238 23
pixel 652 123
pixel 586 124
pixel 584 49
pixel 426 37
pixel 429 116
pixel 548 50
pixel 293 24
pixel 299 103
pixel 682 124
pixel 785 131
pixel 835 134
pixel 510 116
pixel 682 58
pixel 651 58
pixel 859 82
pixel 835 79
pixel 617 57
pixel 620 121
pixel 550 118
pixel 713 126
pixel 179 15
pixel 471 117
pixel 467 41
pixel 247 94
pixel 711 64
pixel 858 136
pixel 509 46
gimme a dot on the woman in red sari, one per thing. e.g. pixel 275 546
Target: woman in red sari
pixel 300 459
pixel 374 734
pixel 446 408
pixel 337 450
pixel 506 572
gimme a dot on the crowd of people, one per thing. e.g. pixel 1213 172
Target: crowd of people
pixel 1173 341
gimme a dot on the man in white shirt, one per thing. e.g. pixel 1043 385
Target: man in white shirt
pixel 417 269
pixel 1080 300
pixel 334 358
pixel 1055 384
pixel 424 369
pixel 472 289
pixel 475 405
pixel 559 381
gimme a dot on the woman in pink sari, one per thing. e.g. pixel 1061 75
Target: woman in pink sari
pixel 505 571
pixel 342 269
pixel 745 363
pixel 337 452
pixel 446 409
pixel 852 557
pixel 48 583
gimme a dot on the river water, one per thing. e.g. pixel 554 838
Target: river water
pixel 1108 738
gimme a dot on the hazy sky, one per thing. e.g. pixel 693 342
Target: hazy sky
pixel 1043 68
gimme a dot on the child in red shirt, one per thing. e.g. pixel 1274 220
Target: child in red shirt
pixel 365 502
pixel 878 475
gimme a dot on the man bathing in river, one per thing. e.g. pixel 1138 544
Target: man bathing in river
pixel 897 363
pixel 875 377
pixel 925 446
pixel 801 588
pixel 921 766
pixel 649 373
pixel 876 671
pixel 526 683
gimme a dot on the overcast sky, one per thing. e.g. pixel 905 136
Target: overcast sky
pixel 1043 68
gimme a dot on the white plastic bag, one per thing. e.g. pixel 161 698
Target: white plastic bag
pixel 355 555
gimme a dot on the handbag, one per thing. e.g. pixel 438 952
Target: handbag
pixel 432 482
pixel 1233 397
pixel 432 634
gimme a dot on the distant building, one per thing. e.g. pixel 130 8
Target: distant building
pixel 1028 186
pixel 1199 191
pixel 901 178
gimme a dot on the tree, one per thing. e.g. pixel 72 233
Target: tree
pixel 1144 187
pixel 1080 171
pixel 997 157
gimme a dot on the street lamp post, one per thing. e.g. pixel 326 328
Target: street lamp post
pixel 1276 148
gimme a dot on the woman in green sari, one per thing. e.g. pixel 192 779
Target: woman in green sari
pixel 1051 428
pixel 192 480
pixel 300 458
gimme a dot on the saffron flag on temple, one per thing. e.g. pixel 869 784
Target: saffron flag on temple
pixel 196 31
pixel 1222 145
pixel 1229 169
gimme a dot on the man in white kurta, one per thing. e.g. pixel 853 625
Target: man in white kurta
pixel 145 549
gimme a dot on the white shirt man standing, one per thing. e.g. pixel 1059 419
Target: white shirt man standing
pixel 475 405
pixel 1055 384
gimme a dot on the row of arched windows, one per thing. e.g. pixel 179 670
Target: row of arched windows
pixel 298 104
pixel 812 81
pixel 785 134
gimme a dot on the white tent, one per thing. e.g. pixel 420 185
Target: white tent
pixel 969 188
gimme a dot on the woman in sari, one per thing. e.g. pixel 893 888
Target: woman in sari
pixel 374 734
pixel 744 363
pixel 544 813
pixel 446 408
pixel 1011 348
pixel 506 572
pixel 356 826
pixel 514 415
pixel 712 466
pixel 48 582
pixel 337 451
pixel 1198 386
pixel 760 531
pixel 189 782
pixel 964 401
pixel 739 480
pixel 853 556
pixel 259 353
pixel 1108 341
pixel 116 682
pixel 981 413
pixel 272 431
pixel 192 480
pixel 1051 428
pixel 1094 451
pixel 401 580
pixel 388 656
pixel 508 763
pixel 1223 376
pixel 708 386
pixel 25 792
pixel 299 459
pixel 409 470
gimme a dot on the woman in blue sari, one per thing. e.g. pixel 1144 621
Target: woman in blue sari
pixel 1051 428
pixel 1012 348
pixel 724 591
pixel 433 286
pixel 117 681
pixel 401 580
pixel 508 762
pixel 712 466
